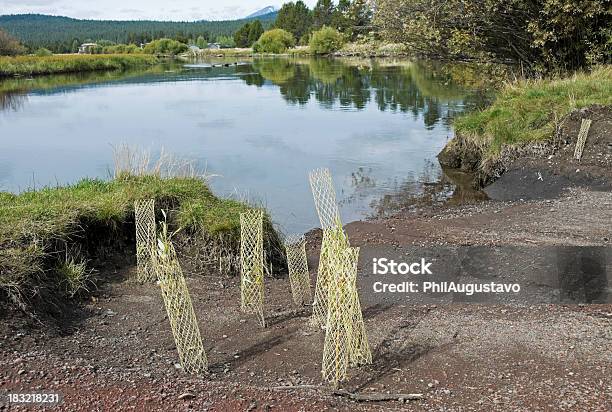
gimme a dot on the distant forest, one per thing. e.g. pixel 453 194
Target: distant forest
pixel 60 34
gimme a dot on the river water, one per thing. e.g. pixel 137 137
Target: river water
pixel 257 126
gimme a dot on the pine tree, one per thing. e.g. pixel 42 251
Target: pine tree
pixel 201 42
pixel 323 13
pixel 295 18
pixel 340 18
pixel 75 46
pixel 241 37
pixel 255 31
pixel 359 16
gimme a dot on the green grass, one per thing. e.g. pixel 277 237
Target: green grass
pixel 38 227
pixel 248 52
pixel 529 111
pixel 37 65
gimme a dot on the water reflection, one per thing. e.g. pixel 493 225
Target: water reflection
pixel 433 186
pixel 261 125
pixel 12 101
pixel 410 87
pixel 421 88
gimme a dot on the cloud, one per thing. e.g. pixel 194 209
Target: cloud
pixel 131 11
pixel 139 9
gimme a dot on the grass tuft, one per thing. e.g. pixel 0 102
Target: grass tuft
pixel 74 275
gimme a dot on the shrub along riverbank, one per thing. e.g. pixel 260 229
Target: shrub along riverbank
pixel 37 65
pixel 50 239
pixel 525 112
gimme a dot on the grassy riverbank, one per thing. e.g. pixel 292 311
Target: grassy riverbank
pixel 49 237
pixel 524 112
pixel 367 49
pixel 73 63
pixel 247 52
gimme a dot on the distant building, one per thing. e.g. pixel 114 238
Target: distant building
pixel 214 46
pixel 87 48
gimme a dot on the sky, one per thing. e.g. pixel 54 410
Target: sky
pixel 141 9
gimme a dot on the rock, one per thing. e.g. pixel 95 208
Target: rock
pixel 186 395
pixel 109 313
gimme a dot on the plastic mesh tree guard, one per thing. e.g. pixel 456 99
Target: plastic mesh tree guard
pixel 582 137
pixel 339 325
pixel 144 211
pixel 297 261
pixel 178 305
pixel 329 215
pixel 252 263
pixel 324 194
pixel 360 353
pixel 346 342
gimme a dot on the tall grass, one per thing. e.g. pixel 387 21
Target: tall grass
pixel 36 65
pixel 132 161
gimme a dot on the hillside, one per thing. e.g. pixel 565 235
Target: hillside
pixel 59 33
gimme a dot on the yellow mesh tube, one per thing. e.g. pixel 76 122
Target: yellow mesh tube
pixel 252 263
pixel 179 307
pixel 297 262
pixel 144 211
pixel 329 215
pixel 339 324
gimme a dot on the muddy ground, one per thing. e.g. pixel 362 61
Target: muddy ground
pixel 115 351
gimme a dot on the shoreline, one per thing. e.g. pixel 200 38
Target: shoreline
pixel 22 66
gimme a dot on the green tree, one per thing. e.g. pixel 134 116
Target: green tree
pixel 201 42
pixel 226 42
pixel 274 41
pixel 325 41
pixel 255 32
pixel 75 46
pixel 166 47
pixel 359 17
pixel 323 13
pixel 296 18
pixel 241 37
pixel 42 52
pixel 340 18
pixel 105 43
pixel 58 33
pixel 572 33
pixel 9 46
pixel 541 34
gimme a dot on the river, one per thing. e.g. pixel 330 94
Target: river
pixel 257 127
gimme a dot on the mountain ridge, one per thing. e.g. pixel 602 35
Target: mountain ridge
pixel 263 12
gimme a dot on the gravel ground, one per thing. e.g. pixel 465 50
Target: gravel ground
pixel 117 353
